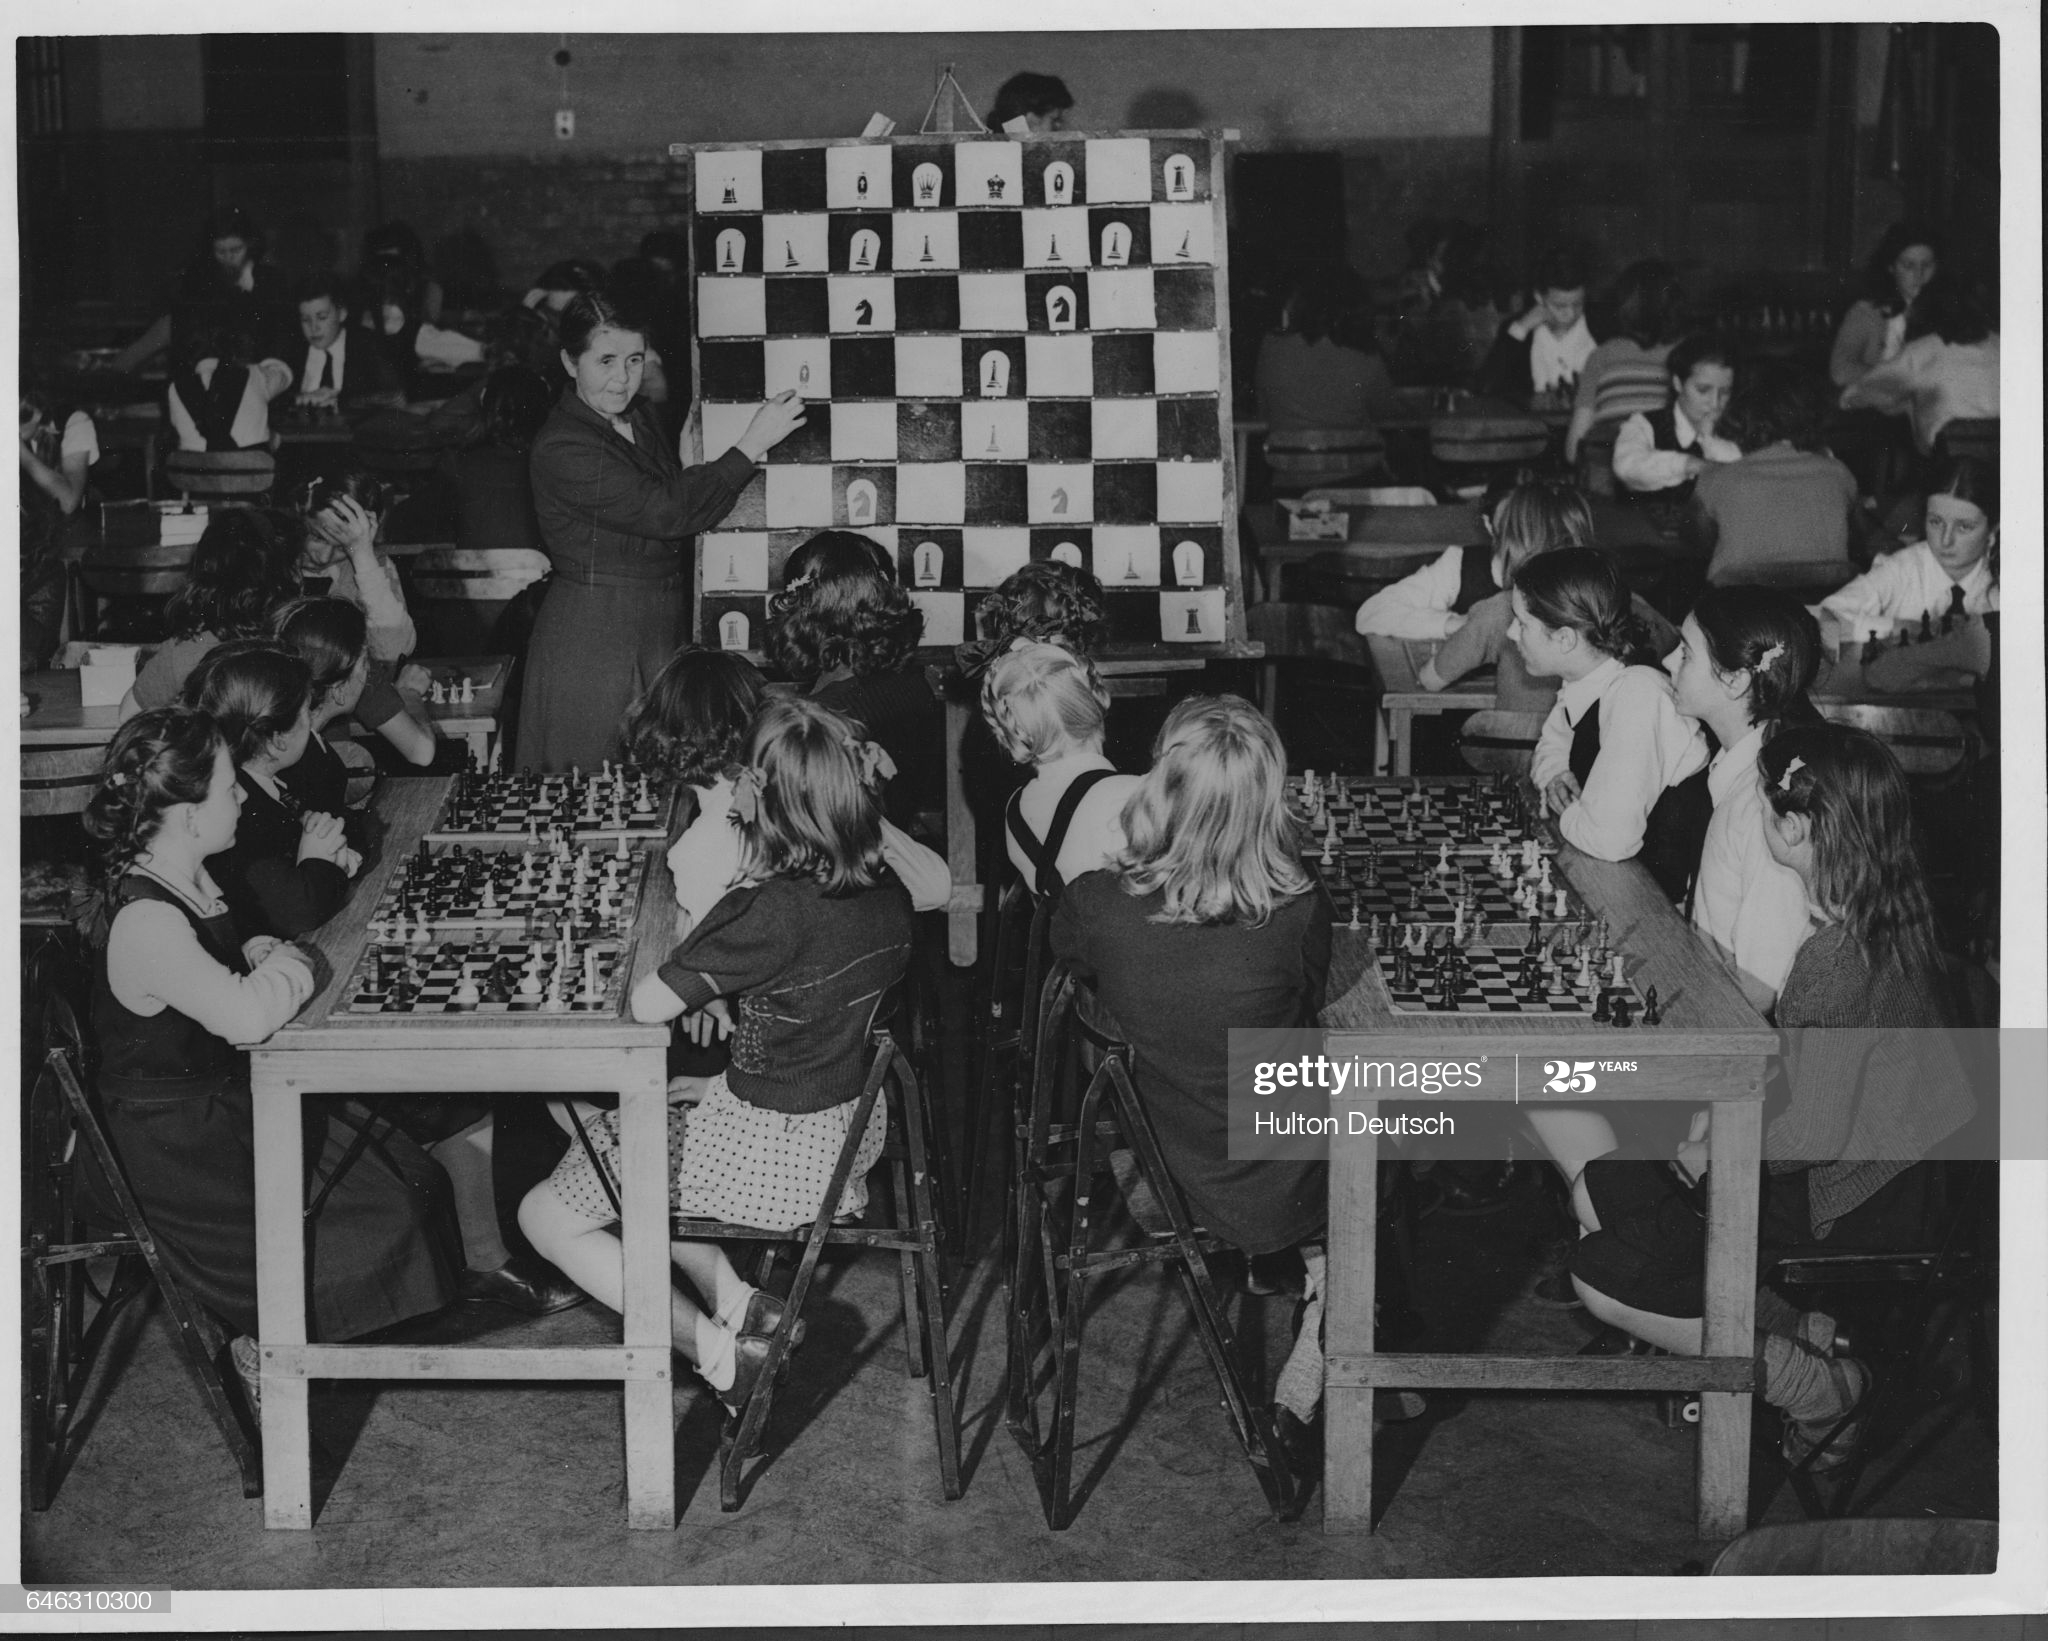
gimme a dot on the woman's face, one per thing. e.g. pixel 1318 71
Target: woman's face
pixel 1911 269
pixel 607 372
pixel 1696 688
pixel 213 820
pixel 1704 394
pixel 231 253
pixel 1958 534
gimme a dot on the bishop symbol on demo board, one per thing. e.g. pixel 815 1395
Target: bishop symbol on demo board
pixel 926 563
pixel 732 251
pixel 995 374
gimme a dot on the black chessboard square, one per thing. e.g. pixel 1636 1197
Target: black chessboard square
pixel 1182 299
pixel 903 167
pixel 1195 148
pixel 1123 366
pixel 793 179
pixel 995 493
pixel 1126 493
pixel 810 443
pixel 928 302
pixel 736 371
pixel 839 232
pixel 1137 220
pixel 1189 430
pixel 1043 543
pixel 1208 537
pixel 991 241
pixel 1038 311
pixel 851 512
pixel 913 548
pixel 1058 430
pixel 927 430
pixel 863 367
pixel 1038 155
pixel 750 512
pixel 1133 617
pixel 797 307
pixel 709 229
pixel 974 371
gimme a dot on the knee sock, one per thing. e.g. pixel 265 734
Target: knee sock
pixel 732 1298
pixel 467 1158
pixel 715 1359
pixel 1775 1313
pixel 1795 1377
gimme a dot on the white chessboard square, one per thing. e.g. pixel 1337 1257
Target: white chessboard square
pixel 1121 299
pixel 928 367
pixel 1119 170
pixel 1056 238
pixel 864 431
pixel 735 561
pixel 1186 361
pixel 1059 493
pixel 931 493
pixel 844 170
pixel 988 558
pixel 799 364
pixel 799 496
pixel 794 244
pixel 860 305
pixel 992 301
pixel 945 617
pixel 988 173
pixel 1190 492
pixel 1126 555
pixel 1124 429
pixel 728 180
pixel 723 425
pixel 924 241
pixel 1059 367
pixel 732 307
pixel 1192 617
pixel 995 430
pixel 1182 234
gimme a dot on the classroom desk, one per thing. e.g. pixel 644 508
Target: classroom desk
pixel 1710 1049
pixel 56 717
pixel 325 1051
pixel 476 722
pixel 1398 661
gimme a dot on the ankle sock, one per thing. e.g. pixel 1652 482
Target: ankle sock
pixel 1775 1313
pixel 732 1307
pixel 716 1360
pixel 1798 1379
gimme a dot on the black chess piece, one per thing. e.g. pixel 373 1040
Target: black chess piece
pixel 1620 1011
pixel 1603 1008
pixel 1652 1014
pixel 1873 647
pixel 1926 625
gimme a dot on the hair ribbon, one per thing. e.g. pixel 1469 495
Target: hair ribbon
pixel 1768 657
pixel 1785 780
pixel 747 786
pixel 876 766
pixel 118 778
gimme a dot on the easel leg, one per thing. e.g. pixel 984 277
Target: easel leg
pixel 1347 1328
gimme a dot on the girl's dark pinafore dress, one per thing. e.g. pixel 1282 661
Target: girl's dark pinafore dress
pixel 1676 830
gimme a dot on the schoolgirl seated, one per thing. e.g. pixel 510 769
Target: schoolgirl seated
pixel 1952 571
pixel 1947 369
pixel 1659 454
pixel 817 930
pixel 1627 374
pixel 1047 708
pixel 339 558
pixel 1874 328
pixel 222 401
pixel 1542 353
pixel 1870 1095
pixel 331 636
pixel 242 574
pixel 1046 601
pixel 1779 516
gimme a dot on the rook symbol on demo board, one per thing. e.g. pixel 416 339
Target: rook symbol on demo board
pixel 867 246
pixel 926 181
pixel 1059 501
pixel 1116 245
pixel 926 563
pixel 1187 564
pixel 1059 308
pixel 732 631
pixel 995 374
pixel 863 312
pixel 1059 182
pixel 732 250
pixel 1194 622
pixel 1067 553
pixel 860 502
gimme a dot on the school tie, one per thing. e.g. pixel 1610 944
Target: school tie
pixel 326 368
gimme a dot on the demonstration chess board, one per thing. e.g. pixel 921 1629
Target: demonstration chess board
pixel 394 979
pixel 618 800
pixel 1011 349
pixel 447 886
pixel 1471 814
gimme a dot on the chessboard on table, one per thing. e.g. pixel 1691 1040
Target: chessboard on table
pixel 615 801
pixel 493 884
pixel 1010 349
pixel 394 978
pixel 1466 814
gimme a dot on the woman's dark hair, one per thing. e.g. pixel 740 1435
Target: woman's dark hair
pixel 515 402
pixel 694 719
pixel 1954 307
pixel 590 312
pixel 1970 479
pixel 1580 588
pixel 841 606
pixel 1029 93
pixel 243 568
pixel 1559 268
pixel 1880 289
pixel 1772 405
pixel 1698 349
pixel 1330 299
pixel 253 690
pixel 358 485
pixel 1866 870
pixel 1770 635
pixel 155 760
pixel 328 634
pixel 1050 600
pixel 1647 305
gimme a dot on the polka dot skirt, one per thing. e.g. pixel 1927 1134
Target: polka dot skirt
pixel 734 1161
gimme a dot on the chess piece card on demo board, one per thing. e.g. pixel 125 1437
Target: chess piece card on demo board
pixel 1011 349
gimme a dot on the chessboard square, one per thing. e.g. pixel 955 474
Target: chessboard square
pixel 1061 493
pixel 793 244
pixel 1184 298
pixel 928 558
pixel 1193 555
pixel 888 537
pixel 732 307
pixel 1126 556
pixel 923 176
pixel 1191 617
pixel 1068 544
pixel 1119 170
pixel 992 301
pixel 928 302
pixel 1189 429
pixel 731 370
pixel 1185 362
pixel 726 623
pixel 796 307
pixel 1124 429
pixel 928 367
pixel 1059 430
pixel 988 173
pixel 1120 299
pixel 845 170
pixel 945 618
pixel 996 429
pixel 863 497
pixel 811 442
pixel 1055 173
pixel 995 493
pixel 728 179
pixel 860 305
pixel 1127 492
pixel 864 432
pixel 735 561
pixel 798 364
pixel 1119 237
pixel 989 557
pixel 1181 168
pixel 1055 301
pixel 793 179
pixel 1060 367
pixel 723 425
pixel 728 245
pixel 1123 367
pixel 1190 492
pixel 924 241
pixel 864 367
pixel 929 431
pixel 859 244
pixel 750 512
pixel 1056 238
pixel 931 493
pixel 1131 617
pixel 1183 234
pixel 992 241
pixel 799 496
pixel 994 366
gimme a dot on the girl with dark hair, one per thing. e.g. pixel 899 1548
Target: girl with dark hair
pixel 1042 101
pixel 1659 454
pixel 177 997
pixel 227 281
pixel 1952 572
pixel 1048 600
pixel 615 507
pixel 221 401
pixel 1947 369
pixel 1779 516
pixel 332 637
pixel 1874 328
pixel 1626 374
pixel 1320 367
pixel 241 575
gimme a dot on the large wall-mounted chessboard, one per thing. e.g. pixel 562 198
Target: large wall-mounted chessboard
pixel 1012 349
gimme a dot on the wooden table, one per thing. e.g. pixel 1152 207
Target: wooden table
pixel 1710 1049
pixel 475 722
pixel 1398 661
pixel 325 1051
pixel 57 719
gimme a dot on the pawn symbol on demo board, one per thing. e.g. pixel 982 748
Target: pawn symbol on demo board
pixel 993 448
pixel 1187 564
pixel 732 570
pixel 926 255
pixel 1130 566
pixel 1182 253
pixel 1052 249
pixel 732 631
pixel 867 246
pixel 788 254
pixel 926 563
pixel 995 374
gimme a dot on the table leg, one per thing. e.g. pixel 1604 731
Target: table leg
pixel 1347 1327
pixel 963 916
pixel 643 1230
pixel 279 1116
pixel 1401 731
pixel 1735 1147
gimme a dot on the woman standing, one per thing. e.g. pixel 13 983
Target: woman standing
pixel 615 506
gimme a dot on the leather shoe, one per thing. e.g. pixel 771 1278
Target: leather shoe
pixel 519 1285
pixel 1301 1443
pixel 764 1316
pixel 750 1359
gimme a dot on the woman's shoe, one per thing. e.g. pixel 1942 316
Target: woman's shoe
pixel 749 1361
pixel 1828 1443
pixel 249 1369
pixel 764 1315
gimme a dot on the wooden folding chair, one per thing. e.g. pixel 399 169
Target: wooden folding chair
pixel 1300 459
pixel 458 593
pixel 1006 1021
pixel 140 582
pixel 1928 744
pixel 59 780
pixel 1500 743
pixel 223 475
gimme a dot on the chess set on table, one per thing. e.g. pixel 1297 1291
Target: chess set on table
pixel 580 888
pixel 486 976
pixel 1469 814
pixel 617 801
pixel 1905 631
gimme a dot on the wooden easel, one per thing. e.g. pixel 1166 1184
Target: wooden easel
pixel 940 115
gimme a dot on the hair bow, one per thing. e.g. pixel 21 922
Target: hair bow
pixel 1770 655
pixel 1785 780
pixel 118 778
pixel 977 656
pixel 876 766
pixel 747 786
pixel 808 579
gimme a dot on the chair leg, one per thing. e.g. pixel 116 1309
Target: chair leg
pixel 1071 1317
pixel 937 1343
pixel 906 1272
